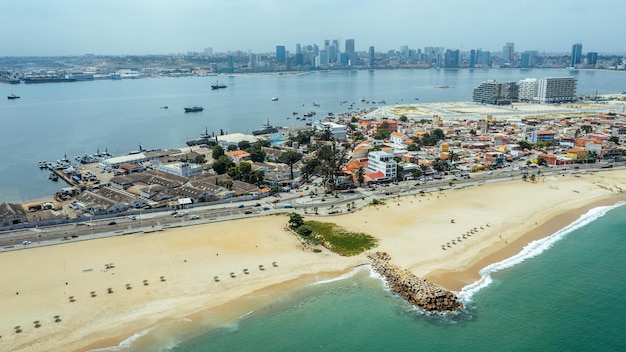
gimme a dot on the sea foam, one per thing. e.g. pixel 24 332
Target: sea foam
pixel 347 275
pixel 531 250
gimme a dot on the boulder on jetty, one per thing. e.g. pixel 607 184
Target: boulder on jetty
pixel 418 291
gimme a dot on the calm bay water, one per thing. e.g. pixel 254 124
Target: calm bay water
pixel 570 298
pixel 51 120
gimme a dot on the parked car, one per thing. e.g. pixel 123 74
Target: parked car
pixel 194 217
pixel 240 206
pixel 111 223
pixel 288 206
pixel 247 212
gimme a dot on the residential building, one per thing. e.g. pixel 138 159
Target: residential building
pixel 556 89
pixel 528 89
pixel 336 130
pixel 379 161
pixel 498 93
pixel 452 59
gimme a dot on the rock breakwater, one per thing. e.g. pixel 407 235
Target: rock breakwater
pixel 418 291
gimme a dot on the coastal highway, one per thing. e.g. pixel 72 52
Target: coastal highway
pixel 300 201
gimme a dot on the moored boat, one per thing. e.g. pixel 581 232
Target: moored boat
pixel 13 96
pixel 265 129
pixel 218 85
pixel 194 109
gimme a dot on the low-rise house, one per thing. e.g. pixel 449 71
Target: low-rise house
pixel 238 156
pixel 12 214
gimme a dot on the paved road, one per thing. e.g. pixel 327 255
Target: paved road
pixel 299 201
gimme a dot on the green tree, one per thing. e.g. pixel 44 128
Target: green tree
pixel 256 154
pixel 200 159
pixel 222 164
pixel 217 152
pixel 382 133
pixel 243 145
pixel 524 144
pixel 403 118
pixel 231 148
pixel 541 161
pixel 360 175
pixel 290 158
pixel 295 220
pixel 413 147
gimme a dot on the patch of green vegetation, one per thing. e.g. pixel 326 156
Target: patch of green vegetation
pixel 337 239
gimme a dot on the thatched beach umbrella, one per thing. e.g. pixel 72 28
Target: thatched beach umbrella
pixel 162 278
pixel 57 318
pixel 37 323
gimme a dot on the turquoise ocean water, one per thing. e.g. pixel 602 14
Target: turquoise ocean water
pixel 563 293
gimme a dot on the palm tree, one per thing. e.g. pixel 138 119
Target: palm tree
pixel 57 318
pixel 37 323
pixel 360 175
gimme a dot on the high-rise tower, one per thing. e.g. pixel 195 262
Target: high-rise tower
pixel 577 54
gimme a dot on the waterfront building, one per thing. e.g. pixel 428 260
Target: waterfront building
pixel 12 214
pixel 592 58
pixel 379 161
pixel 497 93
pixel 508 52
pixel 280 53
pixel 556 89
pixel 452 58
pixel 577 54
pixel 336 130
pixel 351 53
pixel 527 59
pixel 528 90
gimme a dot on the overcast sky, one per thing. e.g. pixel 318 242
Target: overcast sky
pixel 119 27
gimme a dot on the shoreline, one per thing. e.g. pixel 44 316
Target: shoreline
pixel 456 280
pixel 412 231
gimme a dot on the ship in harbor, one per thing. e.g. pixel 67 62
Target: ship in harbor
pixel 48 79
pixel 205 137
pixel 194 109
pixel 218 85
pixel 13 96
pixel 265 129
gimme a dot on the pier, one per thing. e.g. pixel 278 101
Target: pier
pixel 417 291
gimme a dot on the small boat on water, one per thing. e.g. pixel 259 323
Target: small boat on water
pixel 13 96
pixel 218 85
pixel 275 99
pixel 194 109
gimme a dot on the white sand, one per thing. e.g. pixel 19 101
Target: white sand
pixel 411 232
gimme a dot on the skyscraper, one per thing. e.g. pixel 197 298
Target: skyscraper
pixel 452 58
pixel 592 58
pixel 280 53
pixel 352 58
pixel 508 52
pixel 372 58
pixel 577 54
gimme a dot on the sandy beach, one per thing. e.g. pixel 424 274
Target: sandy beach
pixel 492 222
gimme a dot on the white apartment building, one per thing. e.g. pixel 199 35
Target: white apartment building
pixel 336 130
pixel 556 89
pixel 528 90
pixel 383 162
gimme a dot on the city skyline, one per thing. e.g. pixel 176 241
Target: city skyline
pixel 142 27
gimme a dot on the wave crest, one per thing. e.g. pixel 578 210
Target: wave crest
pixel 531 250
